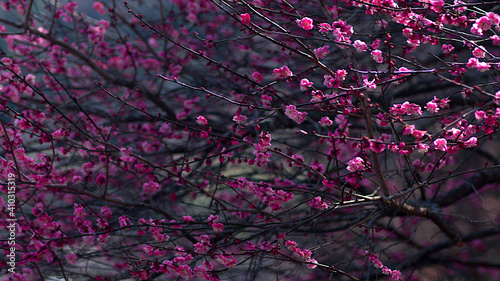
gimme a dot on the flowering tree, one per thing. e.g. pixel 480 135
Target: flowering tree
pixel 250 140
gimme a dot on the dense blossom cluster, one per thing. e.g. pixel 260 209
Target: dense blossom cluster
pixel 207 139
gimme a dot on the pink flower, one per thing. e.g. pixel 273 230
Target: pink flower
pixel 479 52
pixel 325 121
pixel 305 84
pixel 432 107
pixel 321 52
pixel 495 39
pixel 472 142
pixel 360 46
pixel 317 203
pixel 218 227
pixel 99 7
pixel 325 27
pixel 239 118
pixel 497 98
pixel 71 258
pixel 101 179
pixel 201 120
pixel 257 77
pixel 356 164
pixel 447 48
pixel 422 148
pixel 124 221
pixel 282 72
pixel 106 212
pixel 377 56
pixel 440 144
pixel 306 23
pixel 151 187
pixel 292 113
pixel 311 263
pixel 245 18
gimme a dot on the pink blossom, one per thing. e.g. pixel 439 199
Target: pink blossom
pixel 411 108
pixel 227 260
pixel 101 179
pixel 306 23
pixel 447 48
pixel 298 160
pixel 218 227
pixel 99 7
pixel 239 118
pixel 311 263
pixel 124 221
pixel 257 77
pixel 245 18
pixel 321 52
pixel 71 7
pixel 151 187
pixel 479 52
pixel 496 99
pixel 325 121
pixel 282 72
pixel 472 142
pixel 305 84
pixel 482 24
pixel 317 203
pixel 418 134
pixel 292 113
pixel 187 218
pixel 106 212
pixel 495 40
pixel 356 164
pixel 201 120
pixel 377 56
pixel 71 258
pixel 325 27
pixel 432 107
pixel 360 46
pixel 440 144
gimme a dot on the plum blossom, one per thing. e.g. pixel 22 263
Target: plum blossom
pixel 239 118
pixel 479 52
pixel 245 18
pixel 200 120
pixel 360 46
pixel 447 48
pixel 151 187
pixel 71 258
pixel 98 7
pixel 292 113
pixel 472 142
pixel 441 144
pixel 257 77
pixel 325 121
pixel 306 23
pixel 356 164
pixel 325 27
pixel 317 203
pixel 321 52
pixel 305 84
pixel 475 63
pixel 497 98
pixel 282 72
pixel 377 56
pixel 432 107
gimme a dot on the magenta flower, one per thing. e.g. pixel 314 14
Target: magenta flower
pixel 441 144
pixel 306 23
pixel 282 72
pixel 245 18
pixel 356 164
